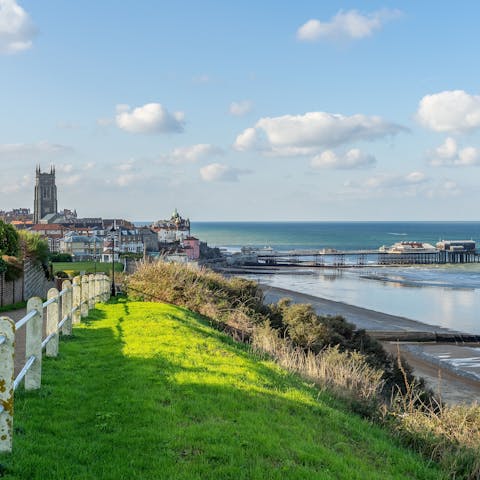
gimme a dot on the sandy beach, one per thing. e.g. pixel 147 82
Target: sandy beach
pixel 449 368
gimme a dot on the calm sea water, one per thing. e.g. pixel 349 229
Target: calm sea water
pixel 339 235
pixel 448 296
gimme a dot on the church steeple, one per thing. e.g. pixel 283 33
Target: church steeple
pixel 45 201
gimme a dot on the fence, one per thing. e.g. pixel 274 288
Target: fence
pixel 63 309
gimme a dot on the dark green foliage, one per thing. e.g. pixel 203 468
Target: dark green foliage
pixel 60 257
pixel 9 241
pixel 3 266
pixel 305 328
pixel 61 274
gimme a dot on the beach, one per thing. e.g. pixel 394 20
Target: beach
pixel 448 368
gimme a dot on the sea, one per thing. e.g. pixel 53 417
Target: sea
pixel 443 295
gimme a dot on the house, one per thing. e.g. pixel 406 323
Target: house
pixel 81 247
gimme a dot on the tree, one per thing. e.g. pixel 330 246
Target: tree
pixel 34 246
pixel 9 241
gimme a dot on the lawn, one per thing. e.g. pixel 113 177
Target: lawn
pixel 150 391
pixel 87 267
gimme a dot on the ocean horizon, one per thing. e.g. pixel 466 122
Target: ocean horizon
pixel 340 235
pixel 444 295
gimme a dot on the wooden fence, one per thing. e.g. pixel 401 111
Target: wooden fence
pixel 63 309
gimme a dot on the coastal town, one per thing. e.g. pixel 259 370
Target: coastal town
pixel 108 240
pixel 105 240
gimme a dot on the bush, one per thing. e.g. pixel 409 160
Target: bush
pixel 12 267
pixel 60 257
pixel 235 301
pixel 9 241
pixel 34 247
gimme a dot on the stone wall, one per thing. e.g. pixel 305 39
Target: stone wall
pixel 35 283
pixel 11 291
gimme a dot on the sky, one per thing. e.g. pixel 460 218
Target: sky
pixel 245 110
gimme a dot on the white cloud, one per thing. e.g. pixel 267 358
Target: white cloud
pixel 218 172
pixel 239 109
pixel 16 185
pixel 150 118
pixel 346 25
pixel 352 159
pixel 89 166
pixel 70 180
pixel 191 154
pixel 122 107
pixel 311 132
pixel 127 179
pixel 450 111
pixel 385 181
pixel 32 150
pixel 16 28
pixel 450 155
pixel 126 166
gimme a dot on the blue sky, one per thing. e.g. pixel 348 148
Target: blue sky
pixel 243 110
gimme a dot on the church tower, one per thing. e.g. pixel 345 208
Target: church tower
pixel 45 201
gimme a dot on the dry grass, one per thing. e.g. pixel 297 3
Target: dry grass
pixel 449 435
pixel 345 372
pixel 236 302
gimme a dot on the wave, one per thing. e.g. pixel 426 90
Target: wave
pixel 398 234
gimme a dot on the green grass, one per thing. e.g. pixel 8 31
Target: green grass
pixel 149 391
pixel 87 267
pixel 13 306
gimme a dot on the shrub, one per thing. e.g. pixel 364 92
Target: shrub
pixel 34 247
pixel 60 257
pixel 347 373
pixel 9 241
pixel 235 301
pixel 12 266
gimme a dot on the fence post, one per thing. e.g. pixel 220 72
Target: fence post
pixel 91 291
pixel 76 299
pixel 33 378
pixel 106 288
pixel 53 316
pixel 85 296
pixel 7 330
pixel 98 297
pixel 67 308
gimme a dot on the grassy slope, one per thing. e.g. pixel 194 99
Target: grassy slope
pixel 149 391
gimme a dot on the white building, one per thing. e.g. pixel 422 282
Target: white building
pixel 81 247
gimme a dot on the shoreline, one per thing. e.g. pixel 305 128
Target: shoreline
pixel 368 319
pixel 450 369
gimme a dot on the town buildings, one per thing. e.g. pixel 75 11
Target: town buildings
pixel 173 230
pixel 94 238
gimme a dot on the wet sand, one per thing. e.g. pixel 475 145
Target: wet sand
pixel 453 370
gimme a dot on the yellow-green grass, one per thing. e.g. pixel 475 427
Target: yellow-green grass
pixel 87 267
pixel 150 391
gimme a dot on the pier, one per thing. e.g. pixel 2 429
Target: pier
pixel 402 253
